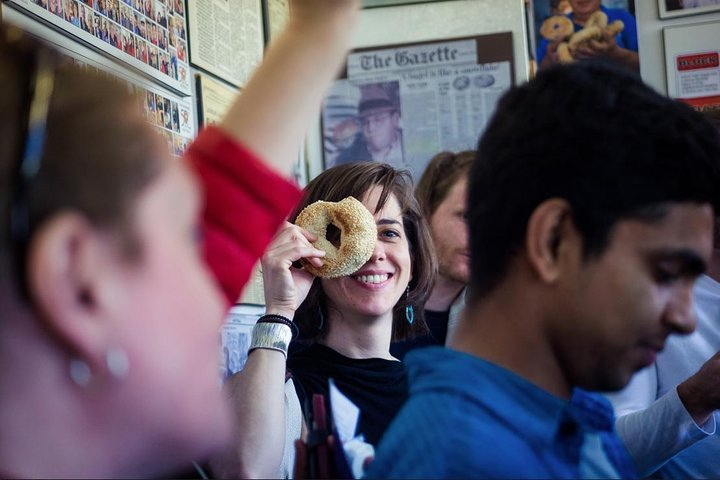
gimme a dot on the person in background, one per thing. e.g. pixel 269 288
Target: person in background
pixel 576 280
pixel 441 193
pixel 668 414
pixel 622 49
pixel 347 323
pixel 110 315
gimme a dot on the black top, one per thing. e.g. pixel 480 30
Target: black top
pixel 437 322
pixel 377 386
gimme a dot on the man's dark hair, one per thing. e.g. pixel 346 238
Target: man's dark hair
pixel 595 135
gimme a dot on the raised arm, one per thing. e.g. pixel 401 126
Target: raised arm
pixel 257 392
pixel 272 115
pixel 655 430
pixel 244 164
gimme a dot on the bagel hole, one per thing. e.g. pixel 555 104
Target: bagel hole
pixel 333 235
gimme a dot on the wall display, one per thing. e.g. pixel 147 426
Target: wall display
pixel 692 64
pixel 226 37
pixel 403 104
pixel 236 335
pixel 678 8
pixel 146 34
pixel 171 116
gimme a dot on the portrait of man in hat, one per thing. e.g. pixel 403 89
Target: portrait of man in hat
pixel 375 131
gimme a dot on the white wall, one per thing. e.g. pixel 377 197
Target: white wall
pixel 650 38
pixel 435 21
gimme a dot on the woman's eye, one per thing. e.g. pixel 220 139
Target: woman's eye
pixel 390 234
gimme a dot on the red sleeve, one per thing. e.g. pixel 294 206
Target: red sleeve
pixel 245 204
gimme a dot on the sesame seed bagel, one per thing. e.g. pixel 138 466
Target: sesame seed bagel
pixel 358 234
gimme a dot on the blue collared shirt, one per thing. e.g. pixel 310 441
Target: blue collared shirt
pixel 467 417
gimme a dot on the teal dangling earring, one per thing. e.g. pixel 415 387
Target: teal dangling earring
pixel 409 312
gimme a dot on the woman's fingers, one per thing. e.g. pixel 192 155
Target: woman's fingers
pixel 291 244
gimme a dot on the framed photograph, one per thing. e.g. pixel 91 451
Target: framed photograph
pixel 401 104
pixel 679 8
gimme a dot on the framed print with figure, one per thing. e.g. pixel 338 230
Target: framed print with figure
pixel 401 104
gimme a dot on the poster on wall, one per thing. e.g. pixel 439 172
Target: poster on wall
pixel 678 8
pixel 692 64
pixel 148 35
pixel 226 37
pixel 402 104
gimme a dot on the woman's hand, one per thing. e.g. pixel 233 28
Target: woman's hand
pixel 286 286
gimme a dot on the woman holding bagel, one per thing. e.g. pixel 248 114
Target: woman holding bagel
pixel 346 321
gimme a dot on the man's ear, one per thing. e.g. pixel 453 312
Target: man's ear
pixel 64 272
pixel 549 226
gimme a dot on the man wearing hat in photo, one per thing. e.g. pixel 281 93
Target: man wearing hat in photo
pixel 379 119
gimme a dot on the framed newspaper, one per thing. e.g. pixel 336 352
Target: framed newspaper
pixel 148 35
pixel 679 8
pixel 402 104
pixel 226 37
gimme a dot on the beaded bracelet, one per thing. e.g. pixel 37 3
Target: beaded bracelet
pixel 273 318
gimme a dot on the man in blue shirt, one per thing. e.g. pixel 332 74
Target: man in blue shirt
pixel 590 208
pixel 623 48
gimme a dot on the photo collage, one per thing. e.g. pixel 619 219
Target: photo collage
pixel 170 117
pixel 151 31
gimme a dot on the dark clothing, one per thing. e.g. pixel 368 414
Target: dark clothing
pixel 357 152
pixel 377 386
pixel 437 322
